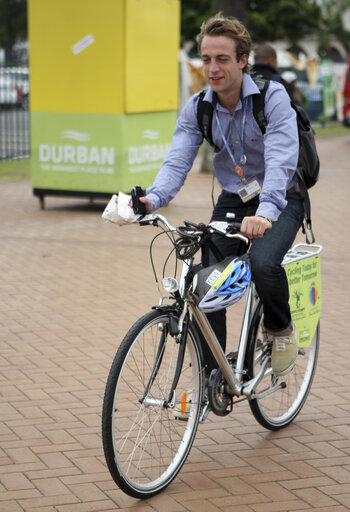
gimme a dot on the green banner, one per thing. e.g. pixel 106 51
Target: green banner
pixel 79 152
pixel 327 75
pixel 98 152
pixel 147 139
pixel 305 299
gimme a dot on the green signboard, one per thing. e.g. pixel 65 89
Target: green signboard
pixel 327 76
pixel 98 152
pixel 305 299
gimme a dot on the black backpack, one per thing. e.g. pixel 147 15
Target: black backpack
pixel 308 162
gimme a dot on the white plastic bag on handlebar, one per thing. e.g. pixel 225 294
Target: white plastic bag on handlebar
pixel 119 211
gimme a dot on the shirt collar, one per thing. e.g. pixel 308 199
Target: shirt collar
pixel 248 89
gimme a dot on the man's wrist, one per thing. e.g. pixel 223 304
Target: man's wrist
pixel 266 218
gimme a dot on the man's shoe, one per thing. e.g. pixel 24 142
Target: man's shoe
pixel 284 349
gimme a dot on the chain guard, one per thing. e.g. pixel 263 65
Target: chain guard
pixel 218 400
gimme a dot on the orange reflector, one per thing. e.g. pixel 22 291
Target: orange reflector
pixel 183 403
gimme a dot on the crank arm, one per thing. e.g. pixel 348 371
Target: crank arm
pixel 283 385
pixel 249 388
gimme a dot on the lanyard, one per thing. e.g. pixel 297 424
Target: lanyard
pixel 243 159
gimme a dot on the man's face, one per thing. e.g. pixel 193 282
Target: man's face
pixel 220 65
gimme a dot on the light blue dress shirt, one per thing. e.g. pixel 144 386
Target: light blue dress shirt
pixel 271 158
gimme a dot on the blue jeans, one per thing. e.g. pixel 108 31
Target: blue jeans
pixel 266 255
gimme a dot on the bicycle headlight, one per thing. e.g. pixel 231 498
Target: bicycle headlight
pixel 170 284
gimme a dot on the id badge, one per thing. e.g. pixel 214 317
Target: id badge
pixel 250 190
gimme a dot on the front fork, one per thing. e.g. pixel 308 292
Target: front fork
pixel 177 327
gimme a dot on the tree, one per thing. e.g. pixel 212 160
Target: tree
pixel 332 26
pixel 193 13
pixel 13 24
pixel 290 20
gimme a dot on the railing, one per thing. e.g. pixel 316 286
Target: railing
pixel 14 113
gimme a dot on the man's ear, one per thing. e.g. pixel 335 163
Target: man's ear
pixel 243 61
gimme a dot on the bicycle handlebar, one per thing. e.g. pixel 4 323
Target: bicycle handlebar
pixel 228 229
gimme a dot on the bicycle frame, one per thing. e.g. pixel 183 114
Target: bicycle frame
pixel 233 378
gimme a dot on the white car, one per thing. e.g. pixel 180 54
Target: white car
pixel 14 87
pixel 9 93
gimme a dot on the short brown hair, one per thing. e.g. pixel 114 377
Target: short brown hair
pixel 264 52
pixel 220 25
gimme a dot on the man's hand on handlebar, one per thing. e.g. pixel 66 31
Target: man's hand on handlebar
pixel 255 227
pixel 144 200
pixel 147 202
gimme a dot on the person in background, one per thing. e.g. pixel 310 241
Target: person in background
pixel 265 65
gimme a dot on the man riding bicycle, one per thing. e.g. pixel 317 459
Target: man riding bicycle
pixel 257 174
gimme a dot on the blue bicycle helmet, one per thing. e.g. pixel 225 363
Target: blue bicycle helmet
pixel 220 285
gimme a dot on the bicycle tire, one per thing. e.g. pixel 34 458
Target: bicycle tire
pixel 145 446
pixel 280 408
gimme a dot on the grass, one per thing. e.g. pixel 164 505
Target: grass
pixel 331 130
pixel 16 170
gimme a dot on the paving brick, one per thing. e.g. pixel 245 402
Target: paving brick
pixel 10 506
pixel 302 469
pixel 198 481
pixel 51 486
pixel 279 507
pixel 21 455
pixel 87 492
pixel 315 497
pixel 274 491
pixel 163 502
pixel 338 508
pixel 301 483
pixel 55 460
pixel 15 481
pixel 200 505
pixel 240 499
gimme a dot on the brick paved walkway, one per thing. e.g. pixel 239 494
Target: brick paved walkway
pixel 63 311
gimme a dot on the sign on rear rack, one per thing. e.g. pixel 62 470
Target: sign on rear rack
pixel 303 269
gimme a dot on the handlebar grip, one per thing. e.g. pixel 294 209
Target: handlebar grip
pixel 138 207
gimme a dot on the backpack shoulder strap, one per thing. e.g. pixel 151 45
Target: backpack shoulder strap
pixel 307 212
pixel 205 118
pixel 259 103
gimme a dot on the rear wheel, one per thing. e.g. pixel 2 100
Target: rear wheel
pixel 289 392
pixel 145 442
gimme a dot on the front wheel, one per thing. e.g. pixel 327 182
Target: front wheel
pixel 279 399
pixel 146 440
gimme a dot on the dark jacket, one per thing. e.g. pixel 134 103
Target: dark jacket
pixel 270 73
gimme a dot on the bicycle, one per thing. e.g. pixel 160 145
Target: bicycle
pixel 156 393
